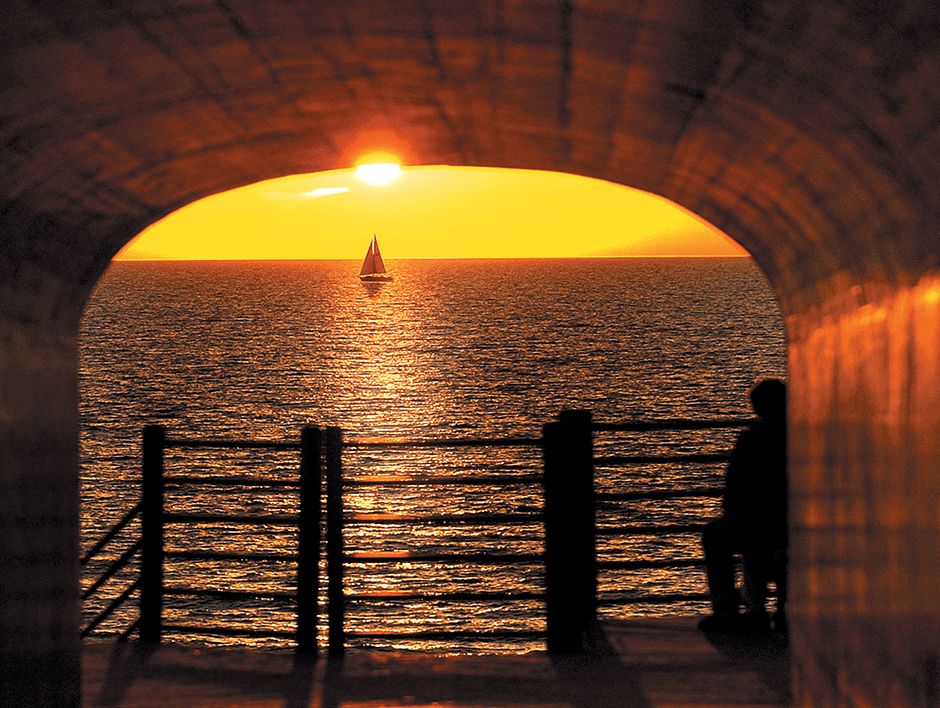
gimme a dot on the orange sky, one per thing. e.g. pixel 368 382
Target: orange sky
pixel 429 212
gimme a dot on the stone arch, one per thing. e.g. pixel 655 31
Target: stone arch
pixel 804 129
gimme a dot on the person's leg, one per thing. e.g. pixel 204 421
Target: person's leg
pixel 756 575
pixel 780 579
pixel 758 572
pixel 717 542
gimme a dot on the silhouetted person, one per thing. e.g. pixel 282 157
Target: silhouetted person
pixel 754 523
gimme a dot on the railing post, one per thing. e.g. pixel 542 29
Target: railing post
pixel 151 533
pixel 336 599
pixel 308 541
pixel 570 567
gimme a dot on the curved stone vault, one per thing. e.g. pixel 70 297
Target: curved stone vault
pixel 807 130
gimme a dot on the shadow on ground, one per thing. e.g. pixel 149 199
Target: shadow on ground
pixel 767 656
pixel 637 663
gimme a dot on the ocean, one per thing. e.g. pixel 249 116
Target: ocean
pixel 481 348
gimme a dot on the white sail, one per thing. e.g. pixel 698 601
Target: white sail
pixel 373 265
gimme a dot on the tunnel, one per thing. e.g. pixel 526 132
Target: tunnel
pixel 806 130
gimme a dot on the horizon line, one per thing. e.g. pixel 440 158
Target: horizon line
pixel 427 258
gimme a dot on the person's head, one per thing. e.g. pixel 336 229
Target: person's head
pixel 769 399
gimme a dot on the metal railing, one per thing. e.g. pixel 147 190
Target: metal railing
pixel 149 548
pixel 338 521
pixel 321 451
pixel 306 522
pixel 619 499
pixel 569 516
pixel 111 569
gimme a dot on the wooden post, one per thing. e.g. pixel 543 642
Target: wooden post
pixel 570 567
pixel 581 440
pixel 151 533
pixel 308 541
pixel 336 599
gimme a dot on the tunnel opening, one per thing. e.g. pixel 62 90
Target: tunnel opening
pixel 251 349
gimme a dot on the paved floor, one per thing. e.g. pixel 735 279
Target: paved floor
pixel 646 663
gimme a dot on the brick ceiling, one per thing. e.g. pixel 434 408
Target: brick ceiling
pixel 808 131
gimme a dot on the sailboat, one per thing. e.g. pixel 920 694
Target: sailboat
pixel 373 268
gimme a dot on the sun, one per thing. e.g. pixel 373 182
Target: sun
pixel 378 169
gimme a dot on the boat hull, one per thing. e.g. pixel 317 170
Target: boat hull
pixel 375 278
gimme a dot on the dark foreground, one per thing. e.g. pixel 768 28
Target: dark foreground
pixel 655 662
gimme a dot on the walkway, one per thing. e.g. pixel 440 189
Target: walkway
pixel 642 663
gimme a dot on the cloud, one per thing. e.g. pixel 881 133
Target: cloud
pixel 324 191
pixel 306 196
pixel 291 200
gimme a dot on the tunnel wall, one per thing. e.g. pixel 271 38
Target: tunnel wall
pixel 865 500
pixel 39 512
